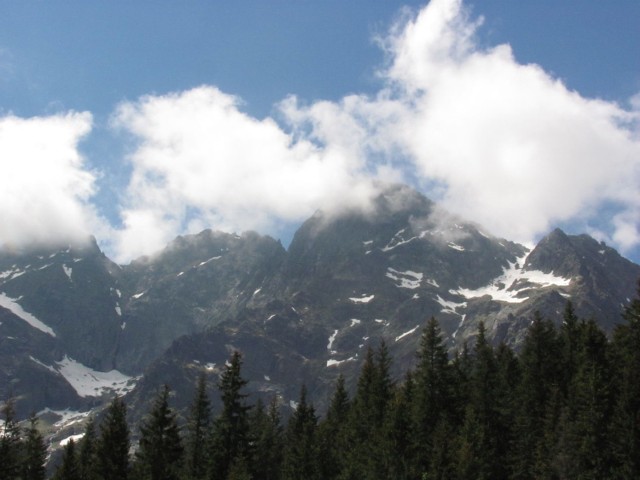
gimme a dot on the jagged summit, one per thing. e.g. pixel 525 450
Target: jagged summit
pixel 301 315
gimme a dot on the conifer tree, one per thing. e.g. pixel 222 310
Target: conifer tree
pixel 541 375
pixel 301 449
pixel 589 407
pixel 230 439
pixel 433 399
pixel 69 469
pixel 332 432
pixel 398 434
pixel 197 427
pixel 35 452
pixel 87 458
pixel 113 444
pixel 626 416
pixel 160 453
pixel 267 435
pixel 366 417
pixel 10 444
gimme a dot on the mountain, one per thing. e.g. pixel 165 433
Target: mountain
pixel 75 327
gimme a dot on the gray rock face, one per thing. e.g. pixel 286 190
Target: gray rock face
pixel 298 316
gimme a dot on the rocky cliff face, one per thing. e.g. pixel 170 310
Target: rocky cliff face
pixel 74 326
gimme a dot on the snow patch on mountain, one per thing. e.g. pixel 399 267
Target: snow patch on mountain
pixel 14 307
pixel 513 282
pixel 363 299
pixel 401 336
pixel 397 240
pixel 407 279
pixel 449 306
pixel 92 383
pixel 332 338
pixel 67 271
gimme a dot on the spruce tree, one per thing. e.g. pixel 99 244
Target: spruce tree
pixel 69 468
pixel 160 453
pixel 35 452
pixel 10 444
pixel 87 458
pixel 267 436
pixel 197 427
pixel 626 416
pixel 113 444
pixel 433 399
pixel 301 449
pixel 332 433
pixel 541 375
pixel 230 436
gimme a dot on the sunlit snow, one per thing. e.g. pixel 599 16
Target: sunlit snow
pixel 406 279
pixel 75 438
pixel 455 246
pixel 91 383
pixel 449 306
pixel 400 337
pixel 363 299
pixel 332 339
pixel 209 260
pixel 354 322
pixel 513 282
pixel 15 308
pixel 333 363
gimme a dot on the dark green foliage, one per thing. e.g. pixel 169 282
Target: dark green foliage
pixel 69 468
pixel 626 415
pixel 159 454
pixel 301 448
pixel 34 452
pixel 332 433
pixel 229 443
pixel 113 444
pixel 10 448
pixel 197 428
pixel 434 395
pixel 88 447
pixel 267 435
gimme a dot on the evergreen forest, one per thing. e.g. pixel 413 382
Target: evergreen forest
pixel 566 406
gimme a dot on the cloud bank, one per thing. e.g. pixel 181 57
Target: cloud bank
pixel 45 188
pixel 501 143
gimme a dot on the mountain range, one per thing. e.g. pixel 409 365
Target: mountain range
pixel 76 328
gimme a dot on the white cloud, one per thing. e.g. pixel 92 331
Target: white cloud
pixel 500 143
pixel 44 187
pixel 516 150
pixel 201 162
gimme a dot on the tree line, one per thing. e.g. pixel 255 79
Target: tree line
pixel 566 406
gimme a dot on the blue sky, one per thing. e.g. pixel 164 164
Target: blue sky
pixel 146 113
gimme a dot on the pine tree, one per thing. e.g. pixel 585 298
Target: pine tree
pixel 159 455
pixel 230 438
pixel 332 433
pixel 113 444
pixel 301 449
pixel 589 409
pixel 87 458
pixel 69 469
pixel 626 416
pixel 197 428
pixel 267 435
pixel 365 456
pixel 541 375
pixel 35 452
pixel 433 399
pixel 398 434
pixel 10 445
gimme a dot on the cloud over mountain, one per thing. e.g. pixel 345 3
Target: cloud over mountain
pixel 45 187
pixel 501 143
